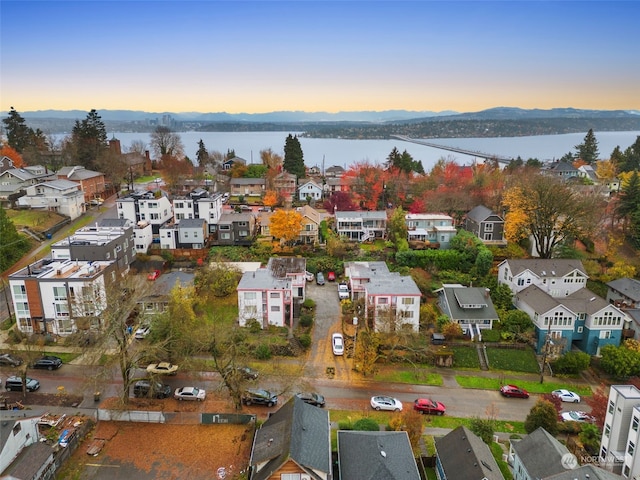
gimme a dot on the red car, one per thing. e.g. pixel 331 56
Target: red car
pixel 153 275
pixel 428 406
pixel 513 391
pixel 331 276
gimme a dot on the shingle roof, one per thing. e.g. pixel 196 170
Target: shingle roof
pixel 629 287
pixel 464 456
pixel 540 453
pixel 480 213
pixel 376 456
pixel 585 472
pixel 297 431
pixel 544 267
pixel 468 303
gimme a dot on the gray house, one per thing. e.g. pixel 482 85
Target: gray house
pixel 624 292
pixel 462 455
pixel 470 307
pixel 486 225
pixel 294 442
pixel 236 229
pixel 376 456
pixel 192 233
pixel 538 455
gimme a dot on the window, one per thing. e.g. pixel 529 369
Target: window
pixel 225 236
pixel 634 424
pixel 383 301
pixel 580 329
pixel 406 314
pixel 630 448
pixel 607 430
pixel 626 471
pixel 22 309
pixel 274 295
pixel 612 406
pixel 275 308
pixel 62 310
pixel 488 227
pixel 59 293
pixel 19 292
pixel 290 476
pixel 64 325
pixel 408 301
pixel 520 282
pixel 605 334
pixel 251 310
pixel 249 295
pixel 17 428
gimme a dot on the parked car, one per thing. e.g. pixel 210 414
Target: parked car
pixel 162 368
pixel 381 402
pixel 311 398
pixel 8 359
pixel 147 388
pixel 337 344
pixel 48 362
pixel 343 291
pixel 577 417
pixel 190 393
pixel 259 397
pixel 566 395
pixel 14 383
pixel 245 372
pixel 331 276
pixel 513 391
pixel 153 275
pixel 320 278
pixel 309 276
pixel 142 332
pixel 428 406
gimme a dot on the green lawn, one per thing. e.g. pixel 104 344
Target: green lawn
pixel 512 360
pixel 484 383
pixel 418 376
pixel 465 357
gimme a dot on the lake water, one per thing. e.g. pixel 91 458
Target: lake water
pixel 333 151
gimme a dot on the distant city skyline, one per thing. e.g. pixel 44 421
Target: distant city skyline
pixel 318 56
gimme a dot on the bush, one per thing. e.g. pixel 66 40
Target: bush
pixel 308 303
pixel 345 425
pixel 263 352
pixel 366 425
pixel 491 335
pixel 254 326
pixel 306 320
pixel 305 340
pixel 572 362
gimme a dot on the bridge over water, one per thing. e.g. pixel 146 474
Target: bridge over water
pixel 485 156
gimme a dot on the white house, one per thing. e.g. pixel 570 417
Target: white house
pixel 49 296
pixel 431 227
pixel 60 196
pixel 621 432
pixel 151 207
pixel 18 434
pixel 361 225
pixel 309 189
pixel 557 277
pixel 392 299
pixel 199 204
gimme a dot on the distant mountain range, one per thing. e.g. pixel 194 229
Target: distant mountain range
pixel 499 113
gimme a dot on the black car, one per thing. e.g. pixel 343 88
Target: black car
pixel 259 397
pixel 311 398
pixel 48 362
pixel 14 384
pixel 8 359
pixel 142 388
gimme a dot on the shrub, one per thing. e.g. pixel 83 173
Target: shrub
pixel 367 425
pixel 306 320
pixel 308 303
pixel 263 352
pixel 491 335
pixel 345 425
pixel 572 362
pixel 254 326
pixel 305 340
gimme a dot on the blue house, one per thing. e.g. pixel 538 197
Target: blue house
pixel 581 319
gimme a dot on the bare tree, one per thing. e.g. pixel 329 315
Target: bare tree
pixel 164 143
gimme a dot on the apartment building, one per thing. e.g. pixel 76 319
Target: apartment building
pixel 199 204
pixel 152 207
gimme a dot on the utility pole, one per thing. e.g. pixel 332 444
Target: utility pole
pixel 547 342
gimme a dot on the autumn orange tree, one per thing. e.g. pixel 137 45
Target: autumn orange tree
pixel 286 225
pixel 367 184
pixel 270 198
pixel 16 158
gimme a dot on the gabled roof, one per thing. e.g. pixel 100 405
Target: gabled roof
pixel 540 453
pixel 481 213
pixel 21 174
pixel 60 184
pixel 468 303
pixel 585 472
pixel 545 267
pixel 463 455
pixel 310 213
pixel 297 431
pixel 629 287
pixel 304 182
pixel 247 181
pixel 77 173
pixel 581 301
pixel 376 456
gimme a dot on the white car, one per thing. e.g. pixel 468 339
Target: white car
pixel 381 402
pixel 566 395
pixel 577 417
pixel 343 291
pixel 337 344
pixel 190 393
pixel 142 332
pixel 309 276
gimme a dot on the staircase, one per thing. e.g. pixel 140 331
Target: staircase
pixel 482 356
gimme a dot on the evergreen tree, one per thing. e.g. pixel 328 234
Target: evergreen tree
pixel 588 149
pixel 202 155
pixel 631 157
pixel 12 244
pixel 19 135
pixel 90 139
pixel 629 203
pixel 293 157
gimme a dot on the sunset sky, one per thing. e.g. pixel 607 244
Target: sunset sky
pixel 330 56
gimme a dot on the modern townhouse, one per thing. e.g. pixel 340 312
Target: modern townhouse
pixel 54 296
pixel 469 307
pixel 435 228
pixel 621 432
pixel 199 204
pixel 582 320
pixel 152 207
pixel 272 295
pixel 59 196
pixel 110 240
pixel 190 233
pixel 485 224
pixel 247 187
pixel 391 299
pixel 361 226
pixel 557 277
pixel 91 183
pixel 235 229
pixel 309 190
